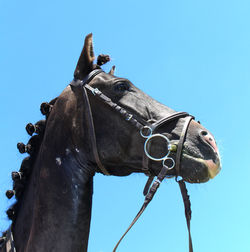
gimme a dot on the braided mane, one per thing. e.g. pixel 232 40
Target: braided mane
pixel 21 178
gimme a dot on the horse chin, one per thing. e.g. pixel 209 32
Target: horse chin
pixel 199 170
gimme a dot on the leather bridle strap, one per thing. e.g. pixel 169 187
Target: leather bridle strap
pixel 147 200
pixel 138 123
pixel 180 145
pixel 188 212
pixel 89 116
pixel 149 197
pixel 92 133
pixel 168 119
pixel 182 185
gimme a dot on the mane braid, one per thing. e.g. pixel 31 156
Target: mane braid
pixel 21 178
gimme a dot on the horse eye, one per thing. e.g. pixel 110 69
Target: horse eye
pixel 121 87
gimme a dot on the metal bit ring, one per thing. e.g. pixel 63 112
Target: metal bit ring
pixel 172 166
pixel 146 128
pixel 146 145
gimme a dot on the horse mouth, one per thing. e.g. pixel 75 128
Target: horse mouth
pixel 213 168
pixel 202 169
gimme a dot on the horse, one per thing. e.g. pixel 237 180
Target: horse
pixel 100 123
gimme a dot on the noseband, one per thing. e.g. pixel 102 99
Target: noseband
pixel 147 131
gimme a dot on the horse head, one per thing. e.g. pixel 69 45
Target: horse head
pixel 121 145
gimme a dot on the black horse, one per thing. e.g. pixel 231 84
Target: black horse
pixel 98 124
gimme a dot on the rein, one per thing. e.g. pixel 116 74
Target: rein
pixel 147 131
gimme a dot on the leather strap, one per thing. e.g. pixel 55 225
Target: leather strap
pixel 91 126
pixel 91 76
pixel 149 197
pixel 92 132
pixel 148 184
pixel 138 123
pixel 180 145
pixel 165 120
pixel 188 212
pixel 147 200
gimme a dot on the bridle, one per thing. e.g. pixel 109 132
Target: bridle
pixel 147 131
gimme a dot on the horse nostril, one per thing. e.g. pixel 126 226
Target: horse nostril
pixel 207 137
pixel 204 133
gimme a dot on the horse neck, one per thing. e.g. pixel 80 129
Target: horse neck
pixel 55 209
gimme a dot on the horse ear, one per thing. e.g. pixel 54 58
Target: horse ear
pixel 112 71
pixel 85 61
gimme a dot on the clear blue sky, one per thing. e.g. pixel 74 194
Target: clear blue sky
pixel 191 55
